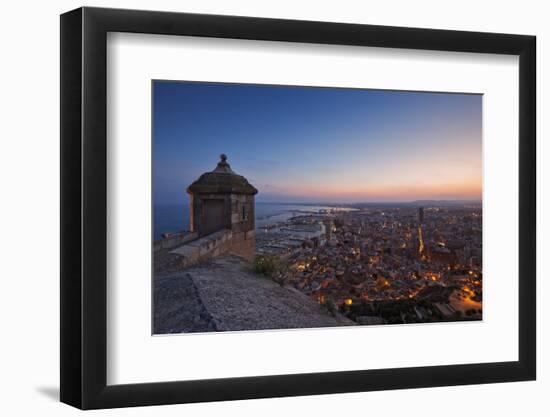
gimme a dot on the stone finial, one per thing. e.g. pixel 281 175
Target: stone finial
pixel 223 166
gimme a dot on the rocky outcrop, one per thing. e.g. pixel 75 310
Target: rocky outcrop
pixel 224 295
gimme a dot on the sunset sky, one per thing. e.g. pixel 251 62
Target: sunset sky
pixel 307 144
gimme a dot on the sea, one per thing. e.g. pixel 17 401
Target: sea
pixel 175 218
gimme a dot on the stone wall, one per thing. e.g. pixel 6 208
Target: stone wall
pixel 242 225
pixel 222 242
pixel 243 244
pixel 239 218
pixel 199 220
pixel 204 248
pixel 174 240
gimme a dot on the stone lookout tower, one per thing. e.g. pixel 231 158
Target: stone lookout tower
pixel 223 200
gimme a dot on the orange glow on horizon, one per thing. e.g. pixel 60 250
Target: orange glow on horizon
pixel 466 190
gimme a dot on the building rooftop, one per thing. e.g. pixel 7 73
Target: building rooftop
pixel 222 180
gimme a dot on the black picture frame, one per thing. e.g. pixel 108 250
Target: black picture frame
pixel 84 207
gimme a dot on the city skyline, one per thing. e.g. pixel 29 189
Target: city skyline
pixel 324 145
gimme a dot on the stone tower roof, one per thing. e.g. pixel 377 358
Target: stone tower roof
pixel 222 180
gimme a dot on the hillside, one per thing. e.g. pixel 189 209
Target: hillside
pixel 224 295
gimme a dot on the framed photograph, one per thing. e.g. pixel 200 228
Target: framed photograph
pixel 257 208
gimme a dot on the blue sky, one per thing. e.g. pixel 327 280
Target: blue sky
pixel 310 144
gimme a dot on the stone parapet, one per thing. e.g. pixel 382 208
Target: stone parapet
pixel 173 240
pixel 206 247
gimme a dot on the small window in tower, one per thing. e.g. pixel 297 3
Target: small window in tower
pixel 244 213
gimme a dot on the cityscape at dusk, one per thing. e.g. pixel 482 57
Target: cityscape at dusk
pixel 282 207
